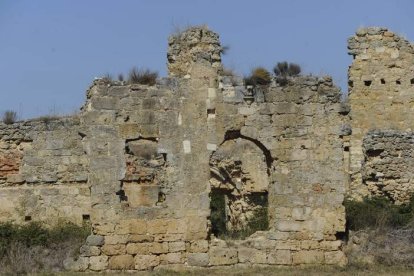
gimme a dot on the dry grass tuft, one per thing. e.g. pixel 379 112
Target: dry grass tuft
pixel 142 76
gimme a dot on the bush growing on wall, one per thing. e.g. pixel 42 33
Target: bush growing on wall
pixel 9 117
pixel 258 76
pixel 142 76
pixel 283 70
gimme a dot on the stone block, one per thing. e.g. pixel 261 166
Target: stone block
pixel 168 237
pixel 158 226
pixel 103 229
pixel 138 248
pixel 15 178
pixel 95 240
pixel 145 262
pixel 330 245
pixel 129 131
pixel 308 257
pixel 149 131
pixel 116 239
pixel 198 259
pixel 113 249
pixel 278 235
pixel 249 131
pixel 248 110
pixel 200 246
pixel 98 263
pixel 140 238
pixel 289 225
pixel 280 257
pixel 88 251
pixel 223 256
pixel 132 226
pixel 158 247
pixel 104 103
pixel 121 262
pixel 251 255
pixel 176 246
pixel 335 258
pixel 171 258
pixel 141 195
pixel 176 226
pixel 187 146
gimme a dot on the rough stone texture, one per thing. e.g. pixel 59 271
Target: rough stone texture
pixel 381 89
pixel 149 157
pixel 43 172
pixel 388 167
pixel 194 45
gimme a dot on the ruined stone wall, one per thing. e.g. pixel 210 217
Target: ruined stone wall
pixel 151 158
pixel 381 91
pixel 157 154
pixel 388 164
pixel 43 172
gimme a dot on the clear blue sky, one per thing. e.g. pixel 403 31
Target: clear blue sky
pixel 51 50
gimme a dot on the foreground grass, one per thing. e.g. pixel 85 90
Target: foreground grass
pixel 274 271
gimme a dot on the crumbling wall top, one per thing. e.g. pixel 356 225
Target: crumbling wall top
pixel 377 39
pixel 196 44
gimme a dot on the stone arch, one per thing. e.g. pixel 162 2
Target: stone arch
pixel 239 187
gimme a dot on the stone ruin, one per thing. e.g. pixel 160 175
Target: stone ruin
pixel 145 165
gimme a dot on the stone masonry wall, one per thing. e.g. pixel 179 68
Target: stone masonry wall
pixel 152 152
pixel 141 163
pixel 43 172
pixel 388 164
pixel 381 91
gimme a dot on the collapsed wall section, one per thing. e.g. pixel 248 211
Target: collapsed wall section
pixel 388 164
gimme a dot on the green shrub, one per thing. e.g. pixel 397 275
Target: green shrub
pixel 32 234
pixel 258 222
pixel 218 212
pixel 283 70
pixel 141 76
pixel 9 117
pixel 35 234
pixel 294 69
pixel 377 212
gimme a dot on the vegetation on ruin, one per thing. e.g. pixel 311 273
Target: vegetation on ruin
pixel 380 232
pixel 9 117
pixel 107 78
pixel 258 222
pixel 283 70
pixel 142 76
pixel 378 212
pixel 32 247
pixel 258 76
